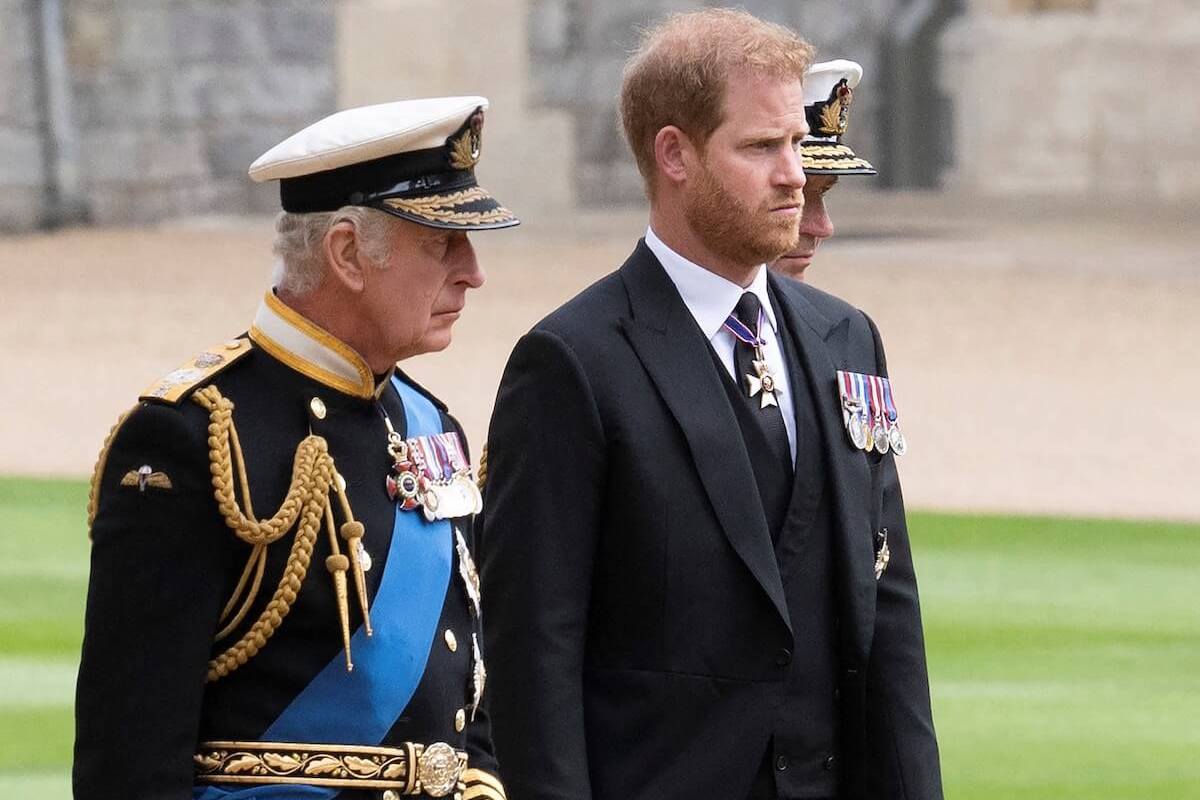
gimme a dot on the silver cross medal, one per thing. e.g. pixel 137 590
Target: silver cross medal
pixel 763 383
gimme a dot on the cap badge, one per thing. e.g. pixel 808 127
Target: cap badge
pixel 836 113
pixel 465 145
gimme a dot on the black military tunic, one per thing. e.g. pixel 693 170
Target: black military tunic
pixel 181 676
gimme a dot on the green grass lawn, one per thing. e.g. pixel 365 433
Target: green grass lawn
pixel 1065 654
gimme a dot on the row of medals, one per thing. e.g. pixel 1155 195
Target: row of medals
pixel 411 482
pixel 869 426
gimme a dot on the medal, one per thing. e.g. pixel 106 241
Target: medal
pixel 881 439
pixel 852 408
pixel 895 437
pixel 403 481
pixel 858 434
pixel 478 675
pixel 866 411
pixel 883 553
pixel 448 484
pixel 869 413
pixel 763 381
pixel 468 573
pixel 431 473
pixel 877 430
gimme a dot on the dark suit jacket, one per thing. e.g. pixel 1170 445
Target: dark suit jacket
pixel 636 614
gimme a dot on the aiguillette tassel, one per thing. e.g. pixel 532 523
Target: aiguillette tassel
pixel 352 532
pixel 337 566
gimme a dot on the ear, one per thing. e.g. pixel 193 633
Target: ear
pixel 674 152
pixel 343 257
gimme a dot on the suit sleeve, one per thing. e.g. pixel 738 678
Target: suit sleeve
pixel 157 576
pixel 546 470
pixel 899 719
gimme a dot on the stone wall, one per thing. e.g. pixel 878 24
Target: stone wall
pixel 21 160
pixel 578 49
pixel 171 100
pixel 1095 102
pixel 465 48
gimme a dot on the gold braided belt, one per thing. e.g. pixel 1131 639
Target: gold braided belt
pixel 408 769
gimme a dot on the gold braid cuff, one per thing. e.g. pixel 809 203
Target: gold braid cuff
pixel 307 497
pixel 482 786
pixel 409 768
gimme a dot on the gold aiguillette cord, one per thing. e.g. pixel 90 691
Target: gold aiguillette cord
pixel 352 531
pixel 337 564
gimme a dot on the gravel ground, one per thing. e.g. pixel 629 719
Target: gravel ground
pixel 1043 361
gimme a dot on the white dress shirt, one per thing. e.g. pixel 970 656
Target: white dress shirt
pixel 711 299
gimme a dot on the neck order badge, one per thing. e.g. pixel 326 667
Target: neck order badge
pixel 762 381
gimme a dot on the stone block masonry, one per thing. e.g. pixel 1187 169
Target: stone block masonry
pixel 171 100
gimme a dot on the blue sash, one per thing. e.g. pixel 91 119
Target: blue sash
pixel 360 707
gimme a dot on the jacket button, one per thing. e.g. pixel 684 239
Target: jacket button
pixel 783 657
pixel 781 763
pixel 829 762
pixel 837 695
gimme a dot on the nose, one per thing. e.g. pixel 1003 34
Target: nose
pixel 467 264
pixel 791 170
pixel 815 221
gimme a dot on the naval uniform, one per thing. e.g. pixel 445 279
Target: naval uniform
pixel 665 622
pixel 215 661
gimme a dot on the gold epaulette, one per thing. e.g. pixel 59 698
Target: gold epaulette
pixel 177 384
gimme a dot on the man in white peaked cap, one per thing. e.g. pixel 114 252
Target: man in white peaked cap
pixel 283 600
pixel 828 93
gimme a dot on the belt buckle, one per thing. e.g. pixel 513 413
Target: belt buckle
pixel 438 769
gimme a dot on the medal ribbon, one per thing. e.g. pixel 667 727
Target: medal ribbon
pixel 742 333
pixel 861 394
pixel 888 401
pixel 876 397
pixel 437 457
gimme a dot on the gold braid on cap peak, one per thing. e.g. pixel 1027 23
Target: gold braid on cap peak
pixel 306 506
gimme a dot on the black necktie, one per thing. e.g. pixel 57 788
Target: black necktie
pixel 770 417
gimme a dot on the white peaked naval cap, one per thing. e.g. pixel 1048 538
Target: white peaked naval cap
pixel 828 94
pixel 412 158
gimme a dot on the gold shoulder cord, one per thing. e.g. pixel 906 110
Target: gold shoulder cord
pixel 307 502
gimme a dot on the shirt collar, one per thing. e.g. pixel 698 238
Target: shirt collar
pixel 311 350
pixel 709 297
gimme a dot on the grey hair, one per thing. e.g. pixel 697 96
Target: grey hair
pixel 300 265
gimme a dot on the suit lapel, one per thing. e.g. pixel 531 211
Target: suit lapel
pixel 675 354
pixel 820 341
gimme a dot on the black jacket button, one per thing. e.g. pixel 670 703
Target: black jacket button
pixel 783 657
pixel 781 763
pixel 829 762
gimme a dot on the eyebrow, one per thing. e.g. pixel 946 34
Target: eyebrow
pixel 773 134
